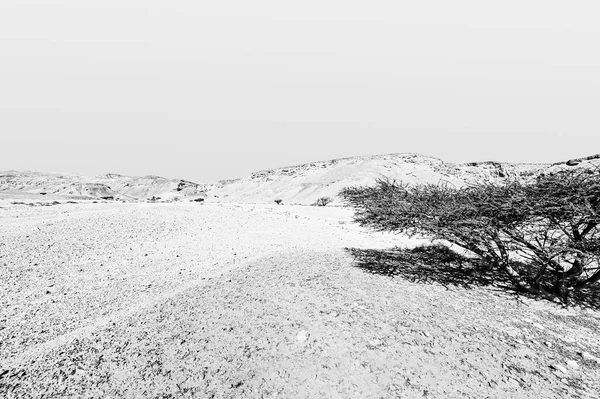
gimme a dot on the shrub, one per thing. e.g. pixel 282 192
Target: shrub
pixel 323 201
pixel 543 235
pixel 278 201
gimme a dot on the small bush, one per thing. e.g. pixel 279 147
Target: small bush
pixel 323 201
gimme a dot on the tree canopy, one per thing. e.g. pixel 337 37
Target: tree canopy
pixel 543 234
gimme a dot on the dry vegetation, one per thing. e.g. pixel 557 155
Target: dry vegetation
pixel 542 234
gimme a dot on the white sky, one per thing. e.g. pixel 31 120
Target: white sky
pixel 208 90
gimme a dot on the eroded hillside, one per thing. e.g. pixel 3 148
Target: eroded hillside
pixel 109 186
pixel 300 184
pixel 304 184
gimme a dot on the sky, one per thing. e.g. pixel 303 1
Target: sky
pixel 210 90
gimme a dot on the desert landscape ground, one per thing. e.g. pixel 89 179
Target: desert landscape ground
pixel 235 296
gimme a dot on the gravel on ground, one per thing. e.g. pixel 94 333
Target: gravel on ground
pixel 229 301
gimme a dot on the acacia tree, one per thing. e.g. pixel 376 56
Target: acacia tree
pixel 542 234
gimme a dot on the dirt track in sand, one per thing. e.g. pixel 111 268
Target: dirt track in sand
pixel 161 300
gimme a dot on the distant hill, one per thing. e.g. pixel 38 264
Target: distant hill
pixel 304 184
pixel 301 184
pixel 109 187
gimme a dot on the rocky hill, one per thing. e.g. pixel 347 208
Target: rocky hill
pixel 304 184
pixel 301 184
pixel 108 187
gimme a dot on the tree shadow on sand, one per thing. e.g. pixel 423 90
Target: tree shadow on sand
pixel 441 265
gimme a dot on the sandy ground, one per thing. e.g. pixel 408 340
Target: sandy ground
pixel 226 301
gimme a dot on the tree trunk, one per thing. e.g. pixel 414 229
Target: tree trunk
pixel 522 283
pixel 560 287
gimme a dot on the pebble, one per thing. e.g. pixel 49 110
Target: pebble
pixel 573 364
pixel 539 326
pixel 589 356
pixel 560 368
pixel 302 336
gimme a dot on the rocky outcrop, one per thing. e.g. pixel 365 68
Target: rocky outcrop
pixel 299 184
pixel 577 161
pixel 306 183
pixel 109 187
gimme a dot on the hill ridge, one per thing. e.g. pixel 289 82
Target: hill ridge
pixel 300 184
